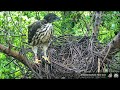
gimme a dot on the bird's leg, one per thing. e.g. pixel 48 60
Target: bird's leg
pixel 45 54
pixel 34 49
pixel 45 47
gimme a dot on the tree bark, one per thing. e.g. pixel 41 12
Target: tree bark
pixel 97 20
pixel 112 48
pixel 15 55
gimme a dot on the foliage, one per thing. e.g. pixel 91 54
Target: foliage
pixel 13 30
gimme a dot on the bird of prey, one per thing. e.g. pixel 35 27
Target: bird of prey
pixel 39 35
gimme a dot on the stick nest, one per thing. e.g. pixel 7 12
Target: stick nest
pixel 71 56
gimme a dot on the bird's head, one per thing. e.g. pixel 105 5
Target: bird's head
pixel 51 17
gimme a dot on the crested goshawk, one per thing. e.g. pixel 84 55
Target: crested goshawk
pixel 39 35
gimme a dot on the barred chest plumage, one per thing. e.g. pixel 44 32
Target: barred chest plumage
pixel 43 35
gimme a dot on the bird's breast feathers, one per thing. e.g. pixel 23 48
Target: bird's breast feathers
pixel 43 34
pixel 47 33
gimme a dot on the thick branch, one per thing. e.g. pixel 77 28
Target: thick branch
pixel 113 47
pixel 16 55
pixel 115 43
pixel 21 58
pixel 97 20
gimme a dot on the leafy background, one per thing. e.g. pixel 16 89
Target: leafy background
pixel 13 29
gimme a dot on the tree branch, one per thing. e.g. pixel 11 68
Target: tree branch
pixel 97 20
pixel 113 47
pixel 16 55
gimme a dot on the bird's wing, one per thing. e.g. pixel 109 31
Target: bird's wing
pixel 32 30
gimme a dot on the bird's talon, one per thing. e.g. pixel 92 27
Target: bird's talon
pixel 37 61
pixel 46 58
